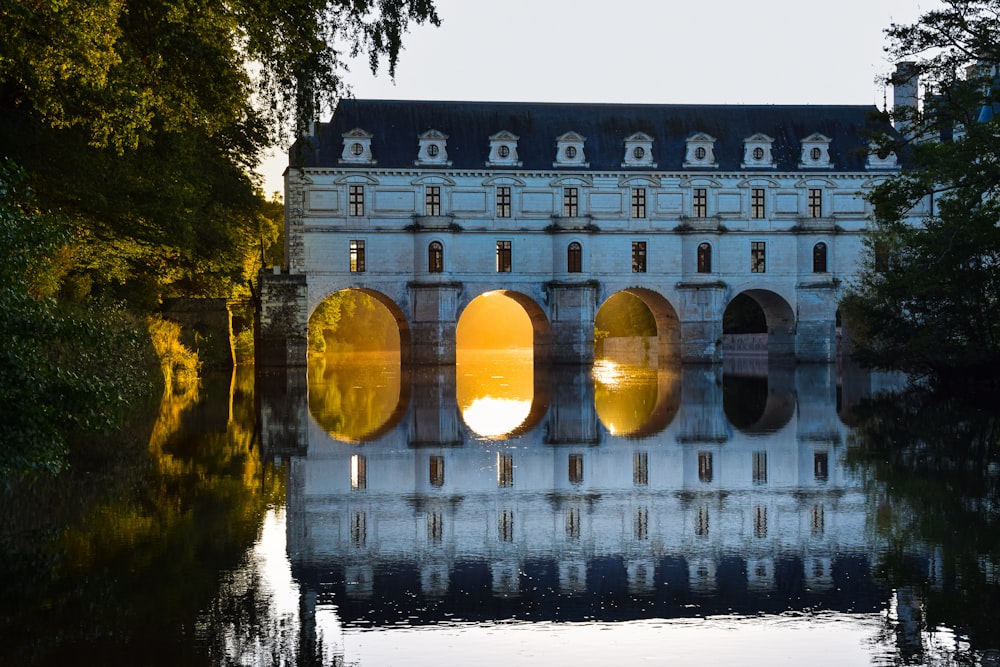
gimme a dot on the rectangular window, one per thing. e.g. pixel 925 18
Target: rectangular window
pixel 760 467
pixel 503 201
pixel 701 521
pixel 571 202
pixel 757 203
pixel 573 522
pixel 760 521
pixel 818 521
pixel 435 527
pixel 432 200
pixel 503 256
pixel 359 528
pixel 699 203
pixel 640 524
pixel 821 466
pixel 436 473
pixel 576 468
pixel 638 202
pixel 357 256
pixel 505 470
pixel 640 469
pixel 705 467
pixel 359 473
pixel 815 203
pixel 505 526
pixel 758 257
pixel 638 256
pixel 356 200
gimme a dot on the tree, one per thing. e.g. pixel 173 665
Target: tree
pixel 142 121
pixel 927 300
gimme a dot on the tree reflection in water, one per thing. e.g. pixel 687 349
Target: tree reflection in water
pixel 932 463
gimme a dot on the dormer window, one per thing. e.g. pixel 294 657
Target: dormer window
pixel 700 151
pixel 569 151
pixel 357 147
pixel 877 159
pixel 815 152
pixel 757 152
pixel 639 151
pixel 503 150
pixel 432 149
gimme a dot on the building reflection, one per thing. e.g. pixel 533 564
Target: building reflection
pixel 711 495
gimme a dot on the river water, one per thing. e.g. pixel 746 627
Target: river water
pixel 497 513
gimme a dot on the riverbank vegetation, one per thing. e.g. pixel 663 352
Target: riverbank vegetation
pixel 129 135
pixel 928 299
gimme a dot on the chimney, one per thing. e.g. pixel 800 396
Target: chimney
pixel 905 88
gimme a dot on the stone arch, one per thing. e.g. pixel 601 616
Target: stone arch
pixel 781 322
pixel 541 328
pixel 668 326
pixel 402 323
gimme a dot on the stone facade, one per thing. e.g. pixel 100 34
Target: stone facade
pixel 428 205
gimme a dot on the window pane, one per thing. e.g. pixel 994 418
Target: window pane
pixel 435 257
pixel 757 203
pixel 574 258
pixel 432 200
pixel 356 200
pixel 503 201
pixel 638 256
pixel 638 202
pixel 704 258
pixel 700 203
pixel 503 256
pixel 758 263
pixel 571 202
pixel 357 251
pixel 819 258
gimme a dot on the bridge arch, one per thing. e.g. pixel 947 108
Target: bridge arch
pixel 668 326
pixel 394 310
pixel 779 319
pixel 541 328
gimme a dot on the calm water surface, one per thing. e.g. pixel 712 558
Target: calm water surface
pixel 495 513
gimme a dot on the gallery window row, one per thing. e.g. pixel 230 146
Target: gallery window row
pixel 574 257
pixel 699 206
pixel 575 470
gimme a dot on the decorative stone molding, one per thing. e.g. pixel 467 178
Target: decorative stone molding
pixel 815 152
pixel 876 161
pixel 757 152
pixel 700 151
pixel 503 150
pixel 639 151
pixel 432 150
pixel 569 151
pixel 357 147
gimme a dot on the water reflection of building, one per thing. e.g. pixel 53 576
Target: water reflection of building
pixel 754 516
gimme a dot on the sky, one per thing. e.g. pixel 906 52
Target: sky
pixel 641 52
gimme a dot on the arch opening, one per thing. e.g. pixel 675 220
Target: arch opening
pixel 498 338
pixel 758 327
pixel 358 341
pixel 637 326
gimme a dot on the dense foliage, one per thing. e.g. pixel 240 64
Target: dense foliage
pixel 142 120
pixel 65 367
pixel 928 299
pixel 137 125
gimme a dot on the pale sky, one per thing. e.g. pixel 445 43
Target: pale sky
pixel 641 51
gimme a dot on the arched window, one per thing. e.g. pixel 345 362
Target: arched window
pixel 819 258
pixel 435 257
pixel 704 258
pixel 574 257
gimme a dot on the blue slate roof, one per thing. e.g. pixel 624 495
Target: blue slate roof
pixel 396 124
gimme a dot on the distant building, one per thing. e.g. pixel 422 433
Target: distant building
pixel 427 205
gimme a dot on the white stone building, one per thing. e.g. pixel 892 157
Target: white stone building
pixel 428 205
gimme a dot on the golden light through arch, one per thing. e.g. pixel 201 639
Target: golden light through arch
pixel 495 369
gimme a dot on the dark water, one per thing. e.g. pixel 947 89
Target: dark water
pixel 495 513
